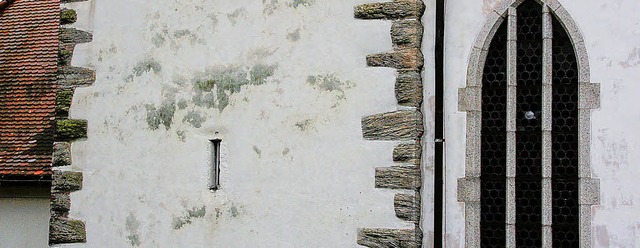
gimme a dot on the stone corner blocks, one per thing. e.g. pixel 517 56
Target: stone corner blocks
pixel 71 76
pixel 68 130
pixel 66 181
pixel 407 207
pixel 402 125
pixel 399 177
pixel 407 58
pixel 409 9
pixel 379 237
pixel 65 230
pixel 399 125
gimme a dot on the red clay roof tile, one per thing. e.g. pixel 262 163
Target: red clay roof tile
pixel 28 71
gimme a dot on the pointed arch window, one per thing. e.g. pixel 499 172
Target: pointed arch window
pixel 528 99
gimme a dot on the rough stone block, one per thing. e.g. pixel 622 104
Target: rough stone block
pixel 68 130
pixel 385 238
pixel 397 9
pixel 68 16
pixel 64 55
pixel 71 76
pixel 407 33
pixel 399 125
pixel 61 154
pixel 470 99
pixel 63 102
pixel 589 189
pixel 408 207
pixel 63 230
pixel 66 181
pixel 60 202
pixel 589 96
pixel 409 58
pixel 409 88
pixel 469 189
pixel 399 177
pixel 74 36
pixel 408 153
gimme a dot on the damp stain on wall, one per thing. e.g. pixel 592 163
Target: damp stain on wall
pixel 330 83
pixel 214 88
pixel 162 115
pixel 187 218
pixel 132 225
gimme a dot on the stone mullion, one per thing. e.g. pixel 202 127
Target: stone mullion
pixel 547 116
pixel 512 50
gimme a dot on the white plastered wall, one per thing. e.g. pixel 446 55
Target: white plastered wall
pixel 24 222
pixel 295 169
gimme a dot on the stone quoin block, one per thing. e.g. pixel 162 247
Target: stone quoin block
pixel 60 202
pixel 399 125
pixel 64 230
pixel 398 177
pixel 66 181
pixel 68 16
pixel 409 9
pixel 71 76
pixel 408 58
pixel 409 88
pixel 408 153
pixel 75 36
pixel 407 33
pixel 64 55
pixel 407 207
pixel 61 154
pixel 63 102
pixel 385 238
pixel 68 130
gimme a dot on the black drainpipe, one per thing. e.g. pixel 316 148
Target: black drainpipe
pixel 439 128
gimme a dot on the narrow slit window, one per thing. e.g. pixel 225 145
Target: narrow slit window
pixel 214 180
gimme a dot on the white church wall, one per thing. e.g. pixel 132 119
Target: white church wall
pixel 295 170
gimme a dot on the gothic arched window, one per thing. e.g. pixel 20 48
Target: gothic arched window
pixel 528 100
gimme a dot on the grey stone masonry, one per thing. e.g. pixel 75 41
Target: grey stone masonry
pixel 409 88
pixel 62 229
pixel 66 181
pixel 61 202
pixel 398 177
pixel 408 153
pixel 61 154
pixel 399 125
pixel 402 125
pixel 398 9
pixel 406 58
pixel 75 36
pixel 71 76
pixel 407 207
pixel 407 33
pixel 390 238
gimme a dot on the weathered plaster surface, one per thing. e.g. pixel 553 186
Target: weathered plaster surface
pixel 611 36
pixel 283 83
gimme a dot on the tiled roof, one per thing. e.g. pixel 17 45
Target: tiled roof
pixel 28 67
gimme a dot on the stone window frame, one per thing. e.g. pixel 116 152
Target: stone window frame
pixel 470 101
